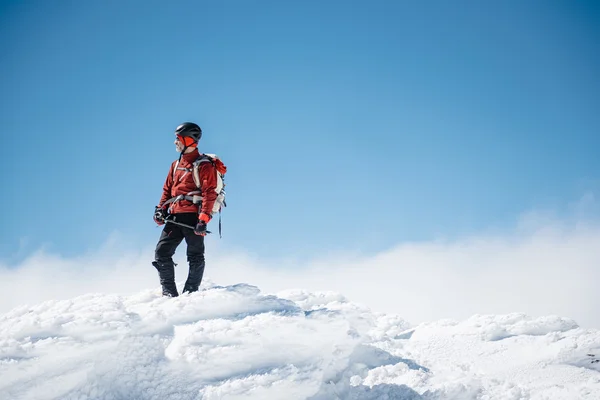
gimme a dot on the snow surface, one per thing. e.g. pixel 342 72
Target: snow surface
pixel 235 342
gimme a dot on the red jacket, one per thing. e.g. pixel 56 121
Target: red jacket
pixel 183 183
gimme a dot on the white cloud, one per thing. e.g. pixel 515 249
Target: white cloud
pixel 546 265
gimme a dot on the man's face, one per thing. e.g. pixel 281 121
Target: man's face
pixel 178 145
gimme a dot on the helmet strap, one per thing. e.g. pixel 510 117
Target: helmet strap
pixel 182 152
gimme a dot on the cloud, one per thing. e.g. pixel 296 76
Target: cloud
pixel 549 271
pixel 547 265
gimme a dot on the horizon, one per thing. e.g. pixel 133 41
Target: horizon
pixel 546 265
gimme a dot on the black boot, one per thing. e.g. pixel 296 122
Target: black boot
pixel 189 288
pixel 169 290
pixel 194 277
pixel 166 273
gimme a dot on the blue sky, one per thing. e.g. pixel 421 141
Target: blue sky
pixel 344 124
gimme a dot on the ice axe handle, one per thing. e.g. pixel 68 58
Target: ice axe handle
pixel 183 225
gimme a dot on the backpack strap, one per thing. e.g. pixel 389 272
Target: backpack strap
pixel 202 159
pixel 220 236
pixel 175 169
pixel 191 197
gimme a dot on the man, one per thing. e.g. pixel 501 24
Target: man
pixel 185 209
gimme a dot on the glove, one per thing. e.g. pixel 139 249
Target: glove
pixel 159 215
pixel 200 228
pixel 203 219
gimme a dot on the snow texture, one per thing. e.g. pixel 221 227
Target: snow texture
pixel 235 342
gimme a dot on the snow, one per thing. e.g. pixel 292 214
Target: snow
pixel 236 342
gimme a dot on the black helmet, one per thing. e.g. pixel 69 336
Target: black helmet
pixel 189 129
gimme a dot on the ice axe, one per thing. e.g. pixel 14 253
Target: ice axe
pixel 183 225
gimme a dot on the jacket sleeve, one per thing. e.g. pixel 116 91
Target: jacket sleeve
pixel 208 186
pixel 166 193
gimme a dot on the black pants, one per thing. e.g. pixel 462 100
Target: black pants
pixel 171 237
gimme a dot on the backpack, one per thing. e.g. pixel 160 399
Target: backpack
pixel 194 197
pixel 221 170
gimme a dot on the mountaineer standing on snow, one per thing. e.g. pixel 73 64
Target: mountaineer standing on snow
pixel 192 192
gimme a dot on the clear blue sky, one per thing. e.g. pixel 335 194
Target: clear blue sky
pixel 344 124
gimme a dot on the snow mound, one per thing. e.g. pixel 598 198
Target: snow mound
pixel 234 342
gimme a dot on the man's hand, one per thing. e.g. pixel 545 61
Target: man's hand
pixel 159 215
pixel 203 219
pixel 200 228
